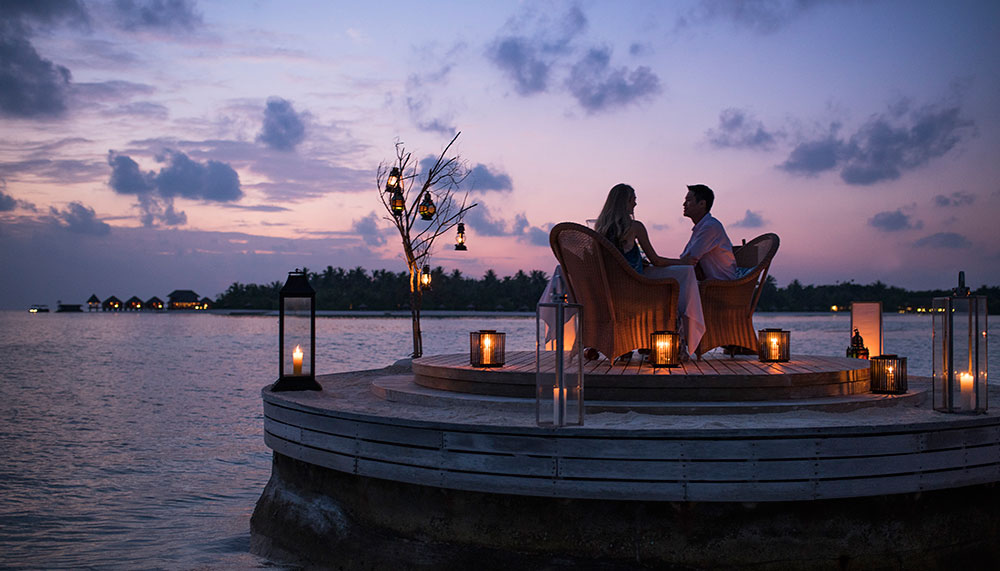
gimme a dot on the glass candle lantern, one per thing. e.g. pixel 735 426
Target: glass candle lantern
pixel 559 361
pixel 393 181
pixel 958 360
pixel 486 348
pixel 397 203
pixel 296 335
pixel 426 207
pixel 460 237
pixel 425 277
pixel 773 345
pixel 664 349
pixel 866 320
pixel 888 374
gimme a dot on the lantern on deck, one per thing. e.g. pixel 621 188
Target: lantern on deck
pixel 425 277
pixel 460 237
pixel 958 361
pixel 559 362
pixel 664 349
pixel 392 182
pixel 296 335
pixel 857 350
pixel 426 207
pixel 773 345
pixel 486 348
pixel 888 374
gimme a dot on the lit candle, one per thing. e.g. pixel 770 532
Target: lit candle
pixel 487 353
pixel 966 391
pixel 663 350
pixel 774 348
pixel 558 406
pixel 890 378
pixel 297 360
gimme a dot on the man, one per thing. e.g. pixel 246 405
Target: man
pixel 709 249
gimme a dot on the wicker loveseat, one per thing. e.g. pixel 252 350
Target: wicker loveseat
pixel 728 305
pixel 620 306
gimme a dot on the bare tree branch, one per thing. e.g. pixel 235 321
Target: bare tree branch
pixel 441 181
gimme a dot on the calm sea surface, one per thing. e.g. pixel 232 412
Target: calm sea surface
pixel 135 440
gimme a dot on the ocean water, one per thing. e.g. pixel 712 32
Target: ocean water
pixel 134 441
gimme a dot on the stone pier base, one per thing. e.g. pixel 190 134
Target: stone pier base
pixel 320 517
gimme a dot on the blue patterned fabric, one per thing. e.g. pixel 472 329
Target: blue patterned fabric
pixel 634 258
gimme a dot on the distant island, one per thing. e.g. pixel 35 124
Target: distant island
pixel 359 289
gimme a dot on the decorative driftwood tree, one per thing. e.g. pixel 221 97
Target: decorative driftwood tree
pixel 422 206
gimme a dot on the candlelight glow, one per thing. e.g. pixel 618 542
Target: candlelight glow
pixel 297 360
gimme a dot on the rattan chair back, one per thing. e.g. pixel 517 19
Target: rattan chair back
pixel 621 307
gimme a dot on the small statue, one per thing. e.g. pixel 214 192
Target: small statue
pixel 857 350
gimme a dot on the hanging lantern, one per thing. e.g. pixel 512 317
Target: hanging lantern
pixel 296 335
pixel 486 348
pixel 426 207
pixel 774 345
pixel 664 349
pixel 397 203
pixel 425 277
pixel 866 319
pixel 460 237
pixel 392 182
pixel 958 362
pixel 888 374
pixel 559 361
pixel 857 350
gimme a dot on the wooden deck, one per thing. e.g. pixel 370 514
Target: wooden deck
pixel 803 455
pixel 740 379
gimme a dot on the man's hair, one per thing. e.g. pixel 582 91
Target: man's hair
pixel 702 192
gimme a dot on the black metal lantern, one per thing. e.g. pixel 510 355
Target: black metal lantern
pixel 857 350
pixel 486 348
pixel 664 349
pixel 392 183
pixel 774 345
pixel 296 335
pixel 397 203
pixel 888 374
pixel 425 277
pixel 426 207
pixel 460 237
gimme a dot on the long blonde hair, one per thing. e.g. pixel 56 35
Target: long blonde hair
pixel 615 218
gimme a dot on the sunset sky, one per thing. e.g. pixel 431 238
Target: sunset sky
pixel 153 145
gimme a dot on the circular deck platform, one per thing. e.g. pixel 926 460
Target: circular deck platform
pixel 364 476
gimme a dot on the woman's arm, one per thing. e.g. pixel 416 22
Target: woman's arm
pixel 639 230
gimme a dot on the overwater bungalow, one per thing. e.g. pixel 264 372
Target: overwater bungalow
pixel 205 303
pixel 111 304
pixel 133 304
pixel 154 304
pixel 94 303
pixel 183 299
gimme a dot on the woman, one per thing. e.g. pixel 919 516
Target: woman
pixel 617 223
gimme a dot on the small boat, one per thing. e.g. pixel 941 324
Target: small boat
pixel 38 308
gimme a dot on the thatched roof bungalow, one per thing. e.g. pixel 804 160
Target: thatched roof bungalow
pixel 94 303
pixel 153 304
pixel 183 299
pixel 111 304
pixel 133 304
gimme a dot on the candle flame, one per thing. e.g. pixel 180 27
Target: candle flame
pixel 297 353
